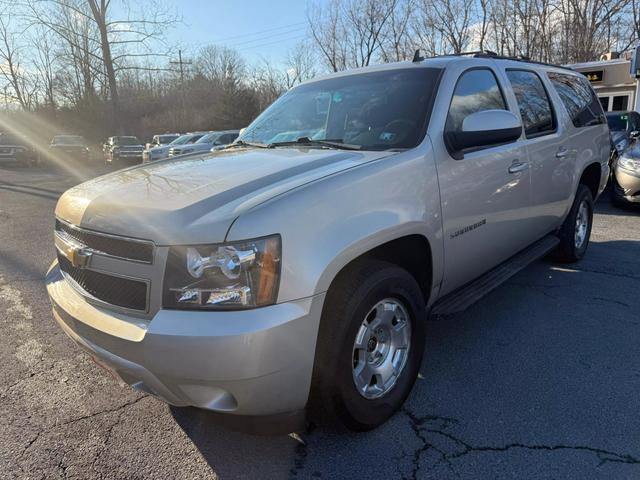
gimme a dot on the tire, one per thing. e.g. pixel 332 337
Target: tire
pixel 571 249
pixel 334 399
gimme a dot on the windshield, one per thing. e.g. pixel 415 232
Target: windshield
pixel 181 140
pixel 208 138
pixel 68 140
pixel 126 141
pixel 9 140
pixel 167 138
pixel 375 111
pixel 618 122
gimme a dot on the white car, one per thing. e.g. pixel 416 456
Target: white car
pixel 210 141
pixel 158 153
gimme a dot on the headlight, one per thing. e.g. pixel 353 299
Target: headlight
pixel 630 164
pixel 226 276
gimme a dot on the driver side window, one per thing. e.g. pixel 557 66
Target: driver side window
pixel 477 90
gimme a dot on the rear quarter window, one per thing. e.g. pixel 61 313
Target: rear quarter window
pixel 579 99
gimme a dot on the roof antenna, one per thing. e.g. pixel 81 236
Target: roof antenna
pixel 416 57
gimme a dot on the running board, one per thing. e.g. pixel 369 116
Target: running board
pixel 467 295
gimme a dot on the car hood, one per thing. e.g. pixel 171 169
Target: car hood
pixel 159 149
pixel 195 199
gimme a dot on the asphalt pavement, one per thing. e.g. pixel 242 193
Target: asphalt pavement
pixel 540 379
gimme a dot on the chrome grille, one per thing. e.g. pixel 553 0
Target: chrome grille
pixel 119 291
pixel 127 249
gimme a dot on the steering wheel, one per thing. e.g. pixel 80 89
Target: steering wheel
pixel 401 127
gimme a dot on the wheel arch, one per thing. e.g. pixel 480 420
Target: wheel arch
pixel 413 252
pixel 591 178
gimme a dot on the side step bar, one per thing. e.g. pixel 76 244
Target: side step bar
pixel 467 295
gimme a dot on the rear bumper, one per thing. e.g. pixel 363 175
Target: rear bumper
pixel 250 363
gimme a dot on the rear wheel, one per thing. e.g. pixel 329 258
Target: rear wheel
pixel 576 230
pixel 370 346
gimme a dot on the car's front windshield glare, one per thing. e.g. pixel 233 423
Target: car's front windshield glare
pixel 181 140
pixel 208 138
pixel 617 123
pixel 68 140
pixel 375 111
pixel 127 141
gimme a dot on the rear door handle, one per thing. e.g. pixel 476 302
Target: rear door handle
pixel 563 152
pixel 517 166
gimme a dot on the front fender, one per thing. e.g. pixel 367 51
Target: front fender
pixel 326 224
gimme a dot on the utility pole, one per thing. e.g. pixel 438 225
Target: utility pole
pixel 181 63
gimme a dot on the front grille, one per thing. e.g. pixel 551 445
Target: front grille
pixel 139 251
pixel 119 291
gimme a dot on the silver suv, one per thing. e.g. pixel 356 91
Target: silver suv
pixel 293 271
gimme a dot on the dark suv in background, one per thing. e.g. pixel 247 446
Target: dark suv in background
pixel 123 149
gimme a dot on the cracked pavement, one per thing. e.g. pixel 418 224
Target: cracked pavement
pixel 540 379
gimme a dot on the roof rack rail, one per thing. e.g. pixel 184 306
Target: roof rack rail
pixel 495 56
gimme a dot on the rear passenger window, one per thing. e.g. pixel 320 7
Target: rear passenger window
pixel 477 90
pixel 533 101
pixel 579 99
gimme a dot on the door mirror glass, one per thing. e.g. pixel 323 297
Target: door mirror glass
pixel 485 128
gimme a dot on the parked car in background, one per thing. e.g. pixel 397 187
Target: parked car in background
pixel 227 137
pixel 623 126
pixel 206 143
pixel 123 149
pixel 158 153
pixel 16 149
pixel 625 174
pixel 74 146
pixel 290 278
pixel 160 140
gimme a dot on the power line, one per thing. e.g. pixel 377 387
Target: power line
pixel 298 37
pixel 268 37
pixel 259 32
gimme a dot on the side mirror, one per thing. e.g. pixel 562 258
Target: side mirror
pixel 481 129
pixel 634 134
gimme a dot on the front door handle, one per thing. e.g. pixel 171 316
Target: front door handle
pixel 517 166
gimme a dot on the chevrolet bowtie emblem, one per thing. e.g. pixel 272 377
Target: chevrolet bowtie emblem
pixel 79 257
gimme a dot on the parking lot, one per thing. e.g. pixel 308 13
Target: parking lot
pixel 540 379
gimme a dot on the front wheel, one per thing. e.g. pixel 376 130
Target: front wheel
pixel 576 230
pixel 370 346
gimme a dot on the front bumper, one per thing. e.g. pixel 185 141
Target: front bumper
pixel 626 186
pixel 251 363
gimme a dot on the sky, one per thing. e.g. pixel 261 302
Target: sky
pixel 256 28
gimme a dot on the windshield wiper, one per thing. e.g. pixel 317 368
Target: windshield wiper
pixel 331 143
pixel 242 143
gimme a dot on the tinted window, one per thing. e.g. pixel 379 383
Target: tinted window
pixel 620 102
pixel 604 101
pixel 618 121
pixel 578 98
pixel 227 138
pixel 533 101
pixel 376 110
pixel 476 91
pixel 126 141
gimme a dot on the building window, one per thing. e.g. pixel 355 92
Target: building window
pixel 620 102
pixel 613 102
